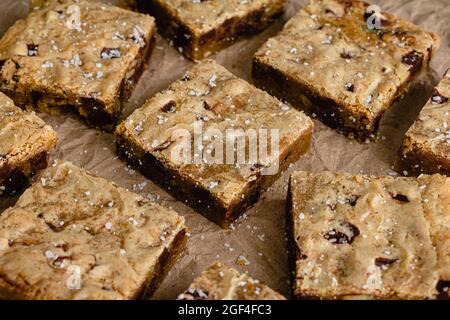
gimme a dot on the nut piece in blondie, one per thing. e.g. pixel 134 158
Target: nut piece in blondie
pixel 80 55
pixel 25 141
pixel 365 237
pixel 76 236
pixel 345 62
pixel 220 282
pixel 214 140
pixel 426 148
pixel 201 28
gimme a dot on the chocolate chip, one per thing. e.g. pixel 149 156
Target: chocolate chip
pixel 399 197
pixel 338 237
pixel 384 262
pixel 202 117
pixel 352 200
pixel 206 106
pixel 32 50
pixel 349 87
pixel 443 287
pixel 195 294
pixel 110 53
pixel 169 107
pixel 346 55
pixel 414 60
pixel 438 98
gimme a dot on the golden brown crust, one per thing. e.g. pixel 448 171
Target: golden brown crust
pixel 426 148
pixel 382 238
pixel 223 190
pixel 326 61
pixel 82 54
pixel 220 282
pixel 25 141
pixel 76 236
pixel 201 28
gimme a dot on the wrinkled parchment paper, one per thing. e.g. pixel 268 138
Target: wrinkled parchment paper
pixel 260 235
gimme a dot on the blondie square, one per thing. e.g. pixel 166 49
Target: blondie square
pixel 83 55
pixel 200 28
pixel 220 282
pixel 73 235
pixel 25 141
pixel 345 62
pixel 234 140
pixel 426 147
pixel 365 237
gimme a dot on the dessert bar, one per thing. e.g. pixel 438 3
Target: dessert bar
pixel 201 28
pixel 344 62
pixel 73 235
pixel 220 282
pixel 80 55
pixel 426 147
pixel 25 141
pixel 181 137
pixel 365 237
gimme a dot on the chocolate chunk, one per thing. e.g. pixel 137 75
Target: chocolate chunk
pixel 399 197
pixel 110 53
pixel 338 237
pixel 443 288
pixel 202 117
pixel 169 107
pixel 438 98
pixel 352 200
pixel 346 55
pixel 384 262
pixel 414 60
pixel 32 50
pixel 349 87
pixel 195 294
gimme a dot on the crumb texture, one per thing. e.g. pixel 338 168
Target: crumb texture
pixel 378 237
pixel 220 282
pixel 76 236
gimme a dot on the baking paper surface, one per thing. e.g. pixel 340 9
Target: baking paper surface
pixel 260 235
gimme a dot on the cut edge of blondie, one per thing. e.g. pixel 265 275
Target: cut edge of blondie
pixel 197 46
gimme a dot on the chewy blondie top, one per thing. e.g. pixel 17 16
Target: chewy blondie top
pixel 327 61
pixel 81 54
pixel 426 148
pixel 216 99
pixel 200 28
pixel 359 236
pixel 76 236
pixel 220 282
pixel 25 141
